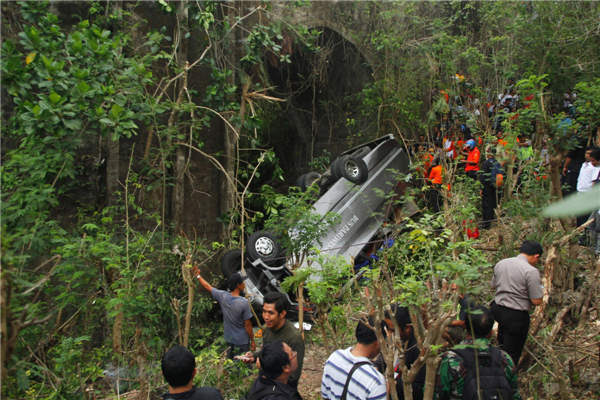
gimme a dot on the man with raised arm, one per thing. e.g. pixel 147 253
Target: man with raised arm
pixel 237 325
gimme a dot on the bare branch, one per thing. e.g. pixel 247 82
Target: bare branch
pixel 35 322
pixel 159 93
pixel 57 256
pixel 213 160
pixel 401 137
pixel 186 272
pixel 237 135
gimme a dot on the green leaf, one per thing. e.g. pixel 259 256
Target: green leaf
pixel 77 45
pixel 580 203
pixel 22 380
pixel 107 122
pixel 72 124
pixel 90 227
pixel 34 35
pixel 114 303
pixel 83 87
pixel 54 97
pixel 165 5
pixel 129 125
pixel 47 62
pixel 115 111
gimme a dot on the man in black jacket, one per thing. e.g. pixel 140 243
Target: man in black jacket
pixel 411 354
pixel 179 368
pixel 277 362
pixel 490 169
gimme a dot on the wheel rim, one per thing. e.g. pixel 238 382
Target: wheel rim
pixel 352 169
pixel 264 246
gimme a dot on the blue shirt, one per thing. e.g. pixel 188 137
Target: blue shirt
pixel 235 310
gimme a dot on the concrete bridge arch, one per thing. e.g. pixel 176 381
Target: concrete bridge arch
pixel 343 18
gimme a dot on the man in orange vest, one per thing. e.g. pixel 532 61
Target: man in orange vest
pixel 472 162
pixel 434 179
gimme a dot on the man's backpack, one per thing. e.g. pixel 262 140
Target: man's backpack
pixel 497 174
pixel 493 383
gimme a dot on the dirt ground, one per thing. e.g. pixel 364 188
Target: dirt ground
pixel 310 381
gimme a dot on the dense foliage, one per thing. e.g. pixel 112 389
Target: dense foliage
pixel 111 124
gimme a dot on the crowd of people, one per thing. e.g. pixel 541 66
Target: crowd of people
pixel 473 366
pixel 453 149
pixel 280 360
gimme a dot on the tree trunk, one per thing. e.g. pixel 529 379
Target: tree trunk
pixel 322 325
pixel 112 187
pixel 555 172
pixel 508 168
pixel 112 170
pixel 550 265
pixel 188 312
pixel 117 331
pixel 407 389
pixel 178 194
pixel 389 377
pixel 4 356
pixel 141 358
pixel 178 191
pixel 432 364
pixel 229 138
pixel 227 190
pixel 301 309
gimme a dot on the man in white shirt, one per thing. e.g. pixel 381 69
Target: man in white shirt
pixel 350 371
pixel 589 171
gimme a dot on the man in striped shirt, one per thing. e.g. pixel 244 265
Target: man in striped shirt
pixel 364 382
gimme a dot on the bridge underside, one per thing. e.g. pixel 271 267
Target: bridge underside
pixel 323 97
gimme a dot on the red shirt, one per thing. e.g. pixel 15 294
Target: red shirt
pixel 435 175
pixel 473 160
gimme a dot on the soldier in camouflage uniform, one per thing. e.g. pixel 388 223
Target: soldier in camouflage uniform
pixel 456 375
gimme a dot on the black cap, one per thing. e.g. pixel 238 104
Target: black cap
pixel 234 280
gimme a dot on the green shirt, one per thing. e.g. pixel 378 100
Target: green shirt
pixel 451 374
pixel 290 335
